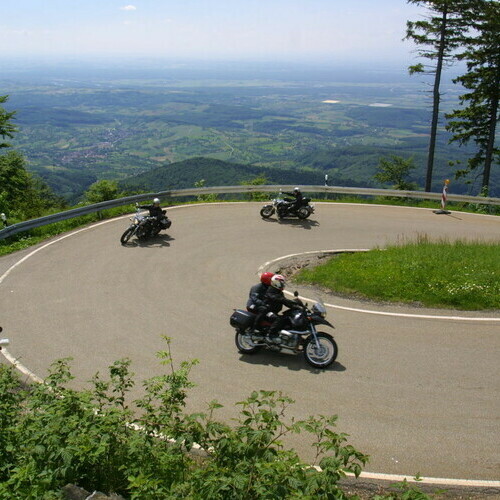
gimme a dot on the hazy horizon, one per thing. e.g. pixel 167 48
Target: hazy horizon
pixel 16 70
pixel 244 30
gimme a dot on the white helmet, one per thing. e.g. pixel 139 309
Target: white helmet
pixel 156 201
pixel 296 190
pixel 278 281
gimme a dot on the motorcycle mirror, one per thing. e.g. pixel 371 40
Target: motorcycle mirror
pixel 296 294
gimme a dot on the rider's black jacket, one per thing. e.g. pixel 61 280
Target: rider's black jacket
pixel 275 300
pixel 154 211
pixel 298 199
pixel 298 196
pixel 257 294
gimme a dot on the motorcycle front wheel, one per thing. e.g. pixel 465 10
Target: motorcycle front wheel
pixel 267 211
pixel 325 354
pixel 244 343
pixel 303 213
pixel 127 235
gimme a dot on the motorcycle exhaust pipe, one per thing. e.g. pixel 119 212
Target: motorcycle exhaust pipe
pixel 286 335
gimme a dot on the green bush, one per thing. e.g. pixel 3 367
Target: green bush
pixel 53 435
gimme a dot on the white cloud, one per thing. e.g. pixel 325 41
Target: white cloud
pixel 128 7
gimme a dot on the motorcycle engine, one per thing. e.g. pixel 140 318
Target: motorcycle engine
pixel 289 340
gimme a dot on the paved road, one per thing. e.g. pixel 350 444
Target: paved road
pixel 419 396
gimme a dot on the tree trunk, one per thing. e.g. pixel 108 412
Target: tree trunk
pixel 488 160
pixel 436 100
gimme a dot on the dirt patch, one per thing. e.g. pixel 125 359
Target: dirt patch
pixel 290 266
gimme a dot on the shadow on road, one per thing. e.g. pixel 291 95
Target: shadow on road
pixel 454 217
pixel 300 223
pixel 161 240
pixel 291 361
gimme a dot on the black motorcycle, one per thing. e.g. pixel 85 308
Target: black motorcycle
pixel 283 208
pixel 299 334
pixel 144 226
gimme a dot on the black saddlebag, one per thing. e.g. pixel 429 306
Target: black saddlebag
pixel 165 222
pixel 241 319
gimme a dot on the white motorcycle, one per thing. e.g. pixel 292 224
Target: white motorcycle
pixel 283 208
pixel 144 226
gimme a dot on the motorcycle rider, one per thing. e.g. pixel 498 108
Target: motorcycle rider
pixel 275 300
pixel 256 303
pixel 155 211
pixel 295 204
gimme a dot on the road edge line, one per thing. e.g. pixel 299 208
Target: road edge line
pixel 268 264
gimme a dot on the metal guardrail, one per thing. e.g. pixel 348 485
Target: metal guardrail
pixel 96 207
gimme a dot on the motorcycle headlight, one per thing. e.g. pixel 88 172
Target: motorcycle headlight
pixel 319 310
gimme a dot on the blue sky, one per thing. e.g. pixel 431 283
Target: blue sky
pixel 333 30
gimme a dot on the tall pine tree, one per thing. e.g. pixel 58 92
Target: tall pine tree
pixel 479 117
pixel 22 195
pixel 437 36
pixel 7 128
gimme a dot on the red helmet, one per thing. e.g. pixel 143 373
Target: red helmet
pixel 278 281
pixel 266 278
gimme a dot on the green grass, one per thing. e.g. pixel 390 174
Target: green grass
pixel 459 275
pixel 30 238
pixel 474 208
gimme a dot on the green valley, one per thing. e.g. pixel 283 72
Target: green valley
pixel 74 132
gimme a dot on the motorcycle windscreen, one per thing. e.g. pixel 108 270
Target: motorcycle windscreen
pixel 319 307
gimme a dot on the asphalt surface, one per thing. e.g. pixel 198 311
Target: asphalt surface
pixel 417 395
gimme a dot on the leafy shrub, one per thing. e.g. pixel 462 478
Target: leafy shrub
pixel 53 435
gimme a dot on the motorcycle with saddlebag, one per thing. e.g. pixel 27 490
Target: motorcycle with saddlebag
pixel 144 226
pixel 283 208
pixel 299 333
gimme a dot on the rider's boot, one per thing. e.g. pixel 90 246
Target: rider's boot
pixel 274 336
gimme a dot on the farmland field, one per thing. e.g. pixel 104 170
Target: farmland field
pixel 76 128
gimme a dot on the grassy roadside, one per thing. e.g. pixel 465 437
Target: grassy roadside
pixel 459 275
pixel 30 238
pixel 474 208
pixel 25 240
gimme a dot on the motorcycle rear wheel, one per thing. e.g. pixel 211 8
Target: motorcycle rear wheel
pixel 127 235
pixel 303 213
pixel 325 355
pixel 245 344
pixel 267 211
